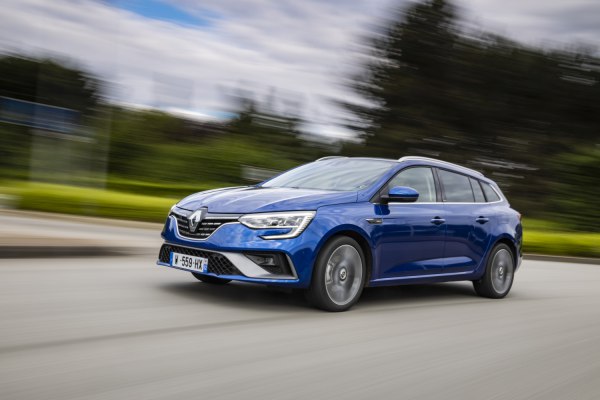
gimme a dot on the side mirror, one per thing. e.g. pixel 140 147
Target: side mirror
pixel 400 194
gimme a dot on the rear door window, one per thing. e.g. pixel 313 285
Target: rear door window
pixel 457 187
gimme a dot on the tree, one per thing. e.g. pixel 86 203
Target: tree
pixel 405 79
pixel 41 81
pixel 271 131
pixel 49 82
pixel 482 101
pixel 576 190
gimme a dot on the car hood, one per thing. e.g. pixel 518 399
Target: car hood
pixel 259 199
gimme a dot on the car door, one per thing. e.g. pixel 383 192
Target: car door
pixel 468 221
pixel 410 238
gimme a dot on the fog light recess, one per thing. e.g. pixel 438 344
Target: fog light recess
pixel 274 263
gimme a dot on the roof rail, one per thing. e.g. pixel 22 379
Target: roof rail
pixel 418 158
pixel 330 158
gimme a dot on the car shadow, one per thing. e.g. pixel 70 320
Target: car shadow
pixel 254 296
pixel 422 293
pixel 239 295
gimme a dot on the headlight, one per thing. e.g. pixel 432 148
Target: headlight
pixel 296 222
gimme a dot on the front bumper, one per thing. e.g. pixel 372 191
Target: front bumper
pixel 226 250
pixel 227 264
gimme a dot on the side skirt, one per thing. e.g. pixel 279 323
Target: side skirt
pixel 433 278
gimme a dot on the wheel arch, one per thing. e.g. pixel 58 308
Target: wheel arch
pixel 362 240
pixel 510 242
pixel 504 239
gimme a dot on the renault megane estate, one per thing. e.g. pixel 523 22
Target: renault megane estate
pixel 339 224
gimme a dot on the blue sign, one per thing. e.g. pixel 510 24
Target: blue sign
pixel 38 115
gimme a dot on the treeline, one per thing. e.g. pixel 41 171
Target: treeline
pixel 140 149
pixel 528 117
pixel 154 145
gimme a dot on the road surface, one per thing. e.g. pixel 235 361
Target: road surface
pixel 22 229
pixel 123 328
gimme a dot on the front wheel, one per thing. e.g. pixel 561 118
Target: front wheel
pixel 499 273
pixel 210 279
pixel 338 275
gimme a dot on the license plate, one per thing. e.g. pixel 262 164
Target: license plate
pixel 191 263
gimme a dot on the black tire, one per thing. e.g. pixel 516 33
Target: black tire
pixel 499 273
pixel 347 279
pixel 211 279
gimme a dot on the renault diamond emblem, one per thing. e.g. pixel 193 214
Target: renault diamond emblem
pixel 196 218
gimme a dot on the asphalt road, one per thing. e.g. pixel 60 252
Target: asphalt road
pixel 32 229
pixel 122 328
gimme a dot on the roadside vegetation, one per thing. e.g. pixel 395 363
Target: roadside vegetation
pixel 85 201
pixel 553 238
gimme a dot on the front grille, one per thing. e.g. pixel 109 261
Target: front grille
pixel 204 229
pixel 218 264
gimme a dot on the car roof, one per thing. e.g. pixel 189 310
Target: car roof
pixel 420 161
pixel 442 164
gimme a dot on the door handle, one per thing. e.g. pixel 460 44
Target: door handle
pixel 438 220
pixel 482 219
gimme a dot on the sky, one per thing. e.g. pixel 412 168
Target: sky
pixel 198 57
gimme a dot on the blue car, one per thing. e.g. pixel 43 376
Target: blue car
pixel 339 224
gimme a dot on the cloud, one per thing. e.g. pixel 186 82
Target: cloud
pixel 299 49
pixel 304 49
pixel 548 23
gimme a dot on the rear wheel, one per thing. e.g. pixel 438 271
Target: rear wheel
pixel 499 273
pixel 210 279
pixel 338 276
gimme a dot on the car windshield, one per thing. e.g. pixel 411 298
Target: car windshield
pixel 343 174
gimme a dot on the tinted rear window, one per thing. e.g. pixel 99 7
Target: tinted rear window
pixel 457 187
pixel 490 194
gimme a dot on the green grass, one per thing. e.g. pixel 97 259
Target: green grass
pixel 542 237
pixel 160 189
pixel 532 224
pixel 550 237
pixel 562 243
pixel 87 201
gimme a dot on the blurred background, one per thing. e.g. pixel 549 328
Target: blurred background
pixel 118 108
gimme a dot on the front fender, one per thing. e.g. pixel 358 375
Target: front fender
pixel 333 221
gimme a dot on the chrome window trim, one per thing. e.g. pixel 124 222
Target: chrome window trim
pixel 502 199
pixel 446 202
pixel 443 202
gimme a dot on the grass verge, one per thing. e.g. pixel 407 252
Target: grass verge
pixel 562 243
pixel 86 201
